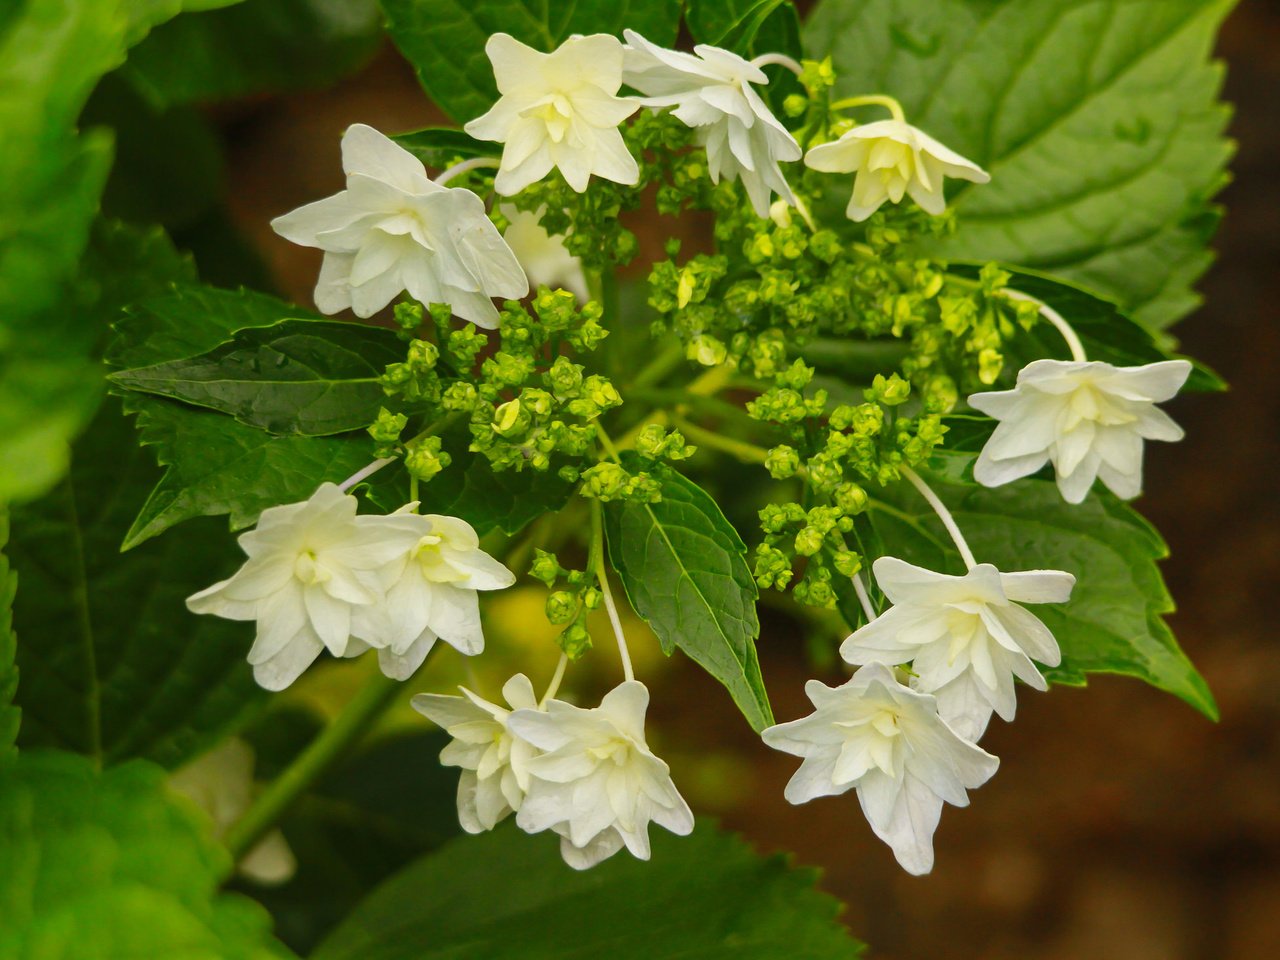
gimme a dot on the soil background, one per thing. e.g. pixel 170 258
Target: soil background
pixel 1122 825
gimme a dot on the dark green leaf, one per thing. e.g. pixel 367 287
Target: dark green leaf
pixel 301 377
pixel 10 715
pixel 1114 620
pixel 112 663
pixel 254 47
pixel 488 500
pixel 440 146
pixel 1099 124
pixel 103 866
pixel 685 571
pixel 703 897
pixel 444 39
pixel 1106 332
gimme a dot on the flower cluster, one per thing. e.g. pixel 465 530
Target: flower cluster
pixel 585 774
pixel 320 577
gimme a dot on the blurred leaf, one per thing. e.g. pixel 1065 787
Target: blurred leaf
pixel 112 663
pixel 440 146
pixel 296 377
pixel 101 866
pixel 444 39
pixel 1099 124
pixel 1114 622
pixel 10 715
pixel 685 571
pixel 703 897
pixel 752 28
pixel 257 46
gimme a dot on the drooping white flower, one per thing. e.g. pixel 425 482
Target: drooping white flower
pixel 394 229
pixel 712 92
pixel 558 110
pixel 876 736
pixel 312 567
pixel 1087 418
pixel 965 637
pixel 430 591
pixel 597 784
pixel 494 761
pixel 892 158
pixel 546 261
pixel 220 782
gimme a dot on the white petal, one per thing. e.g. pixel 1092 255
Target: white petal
pixel 366 151
pixel 402 666
pixel 280 670
pixel 1038 586
pixel 455 618
pixel 601 847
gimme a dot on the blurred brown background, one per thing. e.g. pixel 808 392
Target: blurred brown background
pixel 1121 824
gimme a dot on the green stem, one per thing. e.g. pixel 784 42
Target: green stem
pixel 333 743
pixel 596 563
pixel 872 99
pixel 672 397
pixel 657 368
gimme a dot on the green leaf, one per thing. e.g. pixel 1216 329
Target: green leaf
pixel 215 464
pixel 685 571
pixel 1114 620
pixel 107 865
pixel 255 47
pixel 1099 123
pixel 10 715
pixel 301 377
pixel 702 897
pixel 444 39
pixel 748 27
pixel 440 146
pixel 112 663
pixel 51 55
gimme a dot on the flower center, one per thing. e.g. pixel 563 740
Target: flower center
pixel 309 570
pixel 1088 403
pixel 556 112
pixel 436 568
pixel 616 749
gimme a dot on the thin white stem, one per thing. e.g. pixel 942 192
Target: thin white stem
pixel 864 598
pixel 465 166
pixel 1054 317
pixel 781 59
pixel 623 653
pixel 364 472
pixel 944 515
pixel 554 686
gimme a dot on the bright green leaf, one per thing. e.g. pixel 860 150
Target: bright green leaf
pixel 703 897
pixel 112 663
pixel 1098 121
pixel 103 866
pixel 685 571
pixel 444 39
pixel 1114 620
pixel 299 377
pixel 255 47
pixel 10 715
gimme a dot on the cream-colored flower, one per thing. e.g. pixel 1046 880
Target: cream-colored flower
pixel 546 261
pixel 876 736
pixel 558 110
pixel 891 158
pixel 965 637
pixel 1088 418
pixel 394 229
pixel 713 92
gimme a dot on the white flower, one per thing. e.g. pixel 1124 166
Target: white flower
pixel 430 591
pixel 494 762
pixel 220 782
pixel 874 735
pixel 597 784
pixel 543 256
pixel 394 229
pixel 1087 418
pixel 891 158
pixel 559 110
pixel 712 92
pixel 312 566
pixel 965 637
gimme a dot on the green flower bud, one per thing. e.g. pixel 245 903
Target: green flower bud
pixel 424 458
pixel 890 391
pixel 706 350
pixel 545 567
pixel 506 418
pixel 809 541
pixel 562 606
pixel 795 105
pixel 782 462
pixel 850 498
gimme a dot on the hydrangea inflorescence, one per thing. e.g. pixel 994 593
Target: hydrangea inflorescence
pixel 793 288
